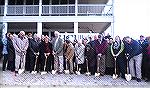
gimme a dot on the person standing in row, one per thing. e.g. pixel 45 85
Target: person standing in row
pixel 5 51
pixel 69 55
pixel 144 44
pixel 11 53
pixel 79 54
pixel 32 49
pixel 21 44
pixel 90 56
pixel 134 50
pixel 57 43
pixel 47 63
pixel 117 50
pixel 101 48
pixel 109 59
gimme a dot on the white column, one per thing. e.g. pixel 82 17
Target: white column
pixel 5 27
pixel 40 7
pixel 39 28
pixel 5 8
pixel 76 7
pixel 75 27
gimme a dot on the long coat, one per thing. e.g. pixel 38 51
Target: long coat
pixel 109 58
pixel 90 55
pixel 70 52
pixel 11 50
pixel 11 55
pixel 79 53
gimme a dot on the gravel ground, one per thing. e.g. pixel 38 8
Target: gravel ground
pixel 27 80
pixel 8 78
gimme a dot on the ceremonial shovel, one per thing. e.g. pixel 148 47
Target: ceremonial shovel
pixel 78 71
pixel 54 71
pixel 44 72
pixel 97 73
pixel 21 62
pixel 66 71
pixel 87 73
pixel 128 76
pixel 115 75
pixel 34 72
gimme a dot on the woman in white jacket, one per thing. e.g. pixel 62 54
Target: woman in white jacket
pixel 79 54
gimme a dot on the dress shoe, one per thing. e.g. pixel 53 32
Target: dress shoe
pixel 138 80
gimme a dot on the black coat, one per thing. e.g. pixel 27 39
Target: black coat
pixel 11 50
pixel 90 55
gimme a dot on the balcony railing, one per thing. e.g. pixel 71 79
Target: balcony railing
pixel 1 10
pixel 22 9
pixel 58 9
pixel 83 10
pixel 93 9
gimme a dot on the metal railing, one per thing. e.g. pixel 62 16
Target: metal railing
pixel 58 9
pixel 22 9
pixel 83 10
pixel 1 9
pixel 94 9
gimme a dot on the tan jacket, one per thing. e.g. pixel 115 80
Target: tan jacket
pixel 69 54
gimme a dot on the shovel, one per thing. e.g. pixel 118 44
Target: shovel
pixel 115 76
pixel 66 71
pixel 98 73
pixel 44 72
pixel 34 72
pixel 21 70
pixel 54 71
pixel 87 73
pixel 78 72
pixel 128 76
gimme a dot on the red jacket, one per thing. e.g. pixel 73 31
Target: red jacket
pixel 101 48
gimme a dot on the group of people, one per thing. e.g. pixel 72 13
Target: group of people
pixel 99 55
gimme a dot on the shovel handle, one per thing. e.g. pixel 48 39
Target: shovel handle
pixel 115 57
pixel 87 65
pixel 45 60
pixel 36 60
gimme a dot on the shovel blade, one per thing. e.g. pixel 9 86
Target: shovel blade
pixel 128 77
pixel 53 72
pixel 78 72
pixel 97 74
pixel 21 71
pixel 66 71
pixel 115 76
pixel 42 73
pixel 88 73
pixel 33 72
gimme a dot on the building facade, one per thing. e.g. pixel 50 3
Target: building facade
pixel 47 16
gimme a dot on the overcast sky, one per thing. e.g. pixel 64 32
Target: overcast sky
pixel 132 18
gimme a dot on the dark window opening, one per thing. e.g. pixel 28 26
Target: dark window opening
pixel 2 2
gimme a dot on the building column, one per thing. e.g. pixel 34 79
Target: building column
pixel 5 8
pixel 4 29
pixel 39 28
pixel 40 7
pixel 76 7
pixel 75 27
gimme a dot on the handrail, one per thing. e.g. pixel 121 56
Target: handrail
pixel 83 9
pixel 2 9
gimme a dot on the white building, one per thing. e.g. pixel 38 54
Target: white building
pixel 46 16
